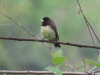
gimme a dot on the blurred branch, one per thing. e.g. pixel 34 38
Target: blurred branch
pixel 81 67
pixel 26 30
pixel 84 66
pixel 34 36
pixel 88 24
pixel 38 40
pixel 4 7
pixel 1 66
pixel 6 24
pixel 94 33
pixel 93 68
pixel 96 72
pixel 45 72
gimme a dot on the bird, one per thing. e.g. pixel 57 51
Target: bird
pixel 49 30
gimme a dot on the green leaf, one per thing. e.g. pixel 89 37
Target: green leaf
pixel 98 65
pixel 58 60
pixel 57 53
pixel 58 72
pixel 99 57
pixel 54 70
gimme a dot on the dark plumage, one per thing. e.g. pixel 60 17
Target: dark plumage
pixel 47 22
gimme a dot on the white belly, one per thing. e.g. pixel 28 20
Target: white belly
pixel 48 33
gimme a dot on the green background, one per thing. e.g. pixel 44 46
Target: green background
pixel 71 26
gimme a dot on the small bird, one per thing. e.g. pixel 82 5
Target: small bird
pixel 49 30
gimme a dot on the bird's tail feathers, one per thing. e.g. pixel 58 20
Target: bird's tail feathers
pixel 57 45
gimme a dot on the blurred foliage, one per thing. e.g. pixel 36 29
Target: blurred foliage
pixel 15 55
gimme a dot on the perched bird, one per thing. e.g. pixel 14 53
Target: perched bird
pixel 49 30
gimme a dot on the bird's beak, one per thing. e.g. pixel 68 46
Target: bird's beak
pixel 42 20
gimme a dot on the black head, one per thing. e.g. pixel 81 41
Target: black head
pixel 46 21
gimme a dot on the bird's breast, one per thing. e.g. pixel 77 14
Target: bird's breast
pixel 48 32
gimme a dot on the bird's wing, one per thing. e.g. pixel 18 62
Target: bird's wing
pixel 55 29
pixel 57 37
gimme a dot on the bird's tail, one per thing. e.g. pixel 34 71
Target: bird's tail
pixel 57 45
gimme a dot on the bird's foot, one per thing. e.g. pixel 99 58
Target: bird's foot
pixel 43 38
